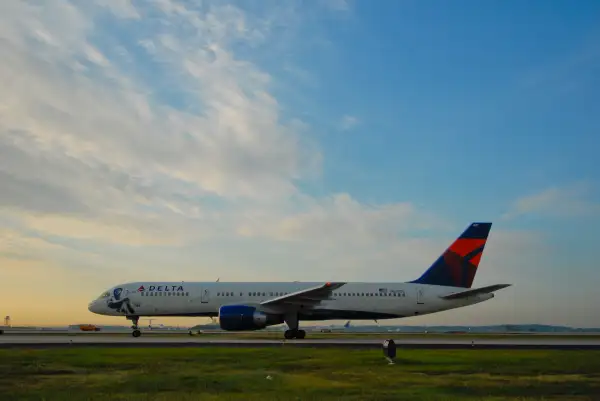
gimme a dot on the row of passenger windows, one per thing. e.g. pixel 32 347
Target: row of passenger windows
pixel 253 294
pixel 165 294
pixel 399 293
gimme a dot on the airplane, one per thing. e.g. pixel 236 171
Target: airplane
pixel 332 328
pixel 247 306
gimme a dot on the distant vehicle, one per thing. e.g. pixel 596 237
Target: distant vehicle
pixel 243 306
pixel 88 327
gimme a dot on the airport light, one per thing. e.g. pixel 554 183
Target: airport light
pixel 389 350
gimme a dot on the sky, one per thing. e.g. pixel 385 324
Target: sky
pixel 269 140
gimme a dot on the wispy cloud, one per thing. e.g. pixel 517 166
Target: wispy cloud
pixel 342 220
pixel 337 5
pixel 348 122
pixel 569 201
pixel 155 134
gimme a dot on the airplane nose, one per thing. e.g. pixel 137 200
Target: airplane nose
pixel 93 307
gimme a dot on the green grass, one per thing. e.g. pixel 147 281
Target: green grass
pixel 399 336
pixel 296 374
pixel 336 335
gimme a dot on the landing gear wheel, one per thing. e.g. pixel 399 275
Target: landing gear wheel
pixel 299 334
pixel 135 320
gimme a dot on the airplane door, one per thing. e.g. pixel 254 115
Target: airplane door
pixel 205 298
pixel 420 296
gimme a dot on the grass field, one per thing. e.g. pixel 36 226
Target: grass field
pixel 296 374
pixel 270 335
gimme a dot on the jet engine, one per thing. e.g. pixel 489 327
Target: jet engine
pixel 244 317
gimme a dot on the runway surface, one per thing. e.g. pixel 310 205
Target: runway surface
pixel 57 341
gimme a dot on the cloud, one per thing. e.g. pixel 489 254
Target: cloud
pixel 235 147
pixel 569 201
pixel 15 244
pixel 348 122
pixel 84 133
pixel 341 219
pixel 121 8
pixel 336 5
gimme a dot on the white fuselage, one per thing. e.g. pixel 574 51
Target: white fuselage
pixel 356 301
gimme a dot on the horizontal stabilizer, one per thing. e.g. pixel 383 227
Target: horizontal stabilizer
pixel 476 291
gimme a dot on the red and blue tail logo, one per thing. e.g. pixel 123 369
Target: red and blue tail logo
pixel 457 266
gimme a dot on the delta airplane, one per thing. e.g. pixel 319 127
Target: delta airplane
pixel 243 306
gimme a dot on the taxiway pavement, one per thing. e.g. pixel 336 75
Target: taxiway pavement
pixel 56 341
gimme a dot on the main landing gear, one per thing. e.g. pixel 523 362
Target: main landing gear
pixel 292 321
pixel 299 334
pixel 136 331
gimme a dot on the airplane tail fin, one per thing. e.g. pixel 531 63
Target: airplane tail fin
pixel 457 266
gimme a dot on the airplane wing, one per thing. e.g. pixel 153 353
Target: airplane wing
pixel 309 296
pixel 475 291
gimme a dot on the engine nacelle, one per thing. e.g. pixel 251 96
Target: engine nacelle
pixel 244 317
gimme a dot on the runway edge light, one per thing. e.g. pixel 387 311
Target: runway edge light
pixel 389 350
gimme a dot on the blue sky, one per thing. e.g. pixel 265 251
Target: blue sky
pixel 263 140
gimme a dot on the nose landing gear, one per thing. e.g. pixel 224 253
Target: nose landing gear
pixel 136 331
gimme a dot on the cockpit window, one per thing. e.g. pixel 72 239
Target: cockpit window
pixel 104 295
